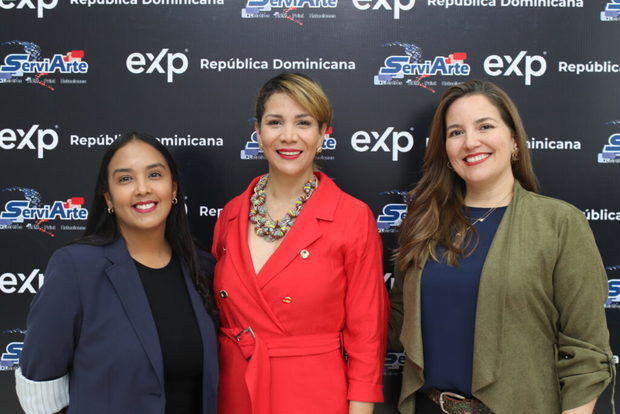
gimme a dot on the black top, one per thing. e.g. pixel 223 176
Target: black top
pixel 179 336
pixel 449 296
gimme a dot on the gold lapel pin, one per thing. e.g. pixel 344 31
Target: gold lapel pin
pixel 287 299
pixel 304 254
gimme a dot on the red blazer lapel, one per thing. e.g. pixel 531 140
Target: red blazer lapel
pixel 236 247
pixel 305 231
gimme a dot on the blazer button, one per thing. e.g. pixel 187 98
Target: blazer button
pixel 287 299
pixel 223 294
pixel 304 254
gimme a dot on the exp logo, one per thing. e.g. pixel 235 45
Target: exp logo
pixel 21 282
pixel 611 151
pixel 412 67
pixel 611 12
pixel 28 64
pixel 392 214
pixel 533 66
pixel 10 357
pixel 396 6
pixel 31 213
pixel 39 5
pixel 173 64
pixel 46 139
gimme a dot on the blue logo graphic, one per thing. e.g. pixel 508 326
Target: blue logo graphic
pixel 411 64
pixel 32 210
pixel 255 7
pixel 394 362
pixel 613 298
pixel 252 150
pixel 611 12
pixel 10 358
pixel 30 64
pixel 611 151
pixel 392 214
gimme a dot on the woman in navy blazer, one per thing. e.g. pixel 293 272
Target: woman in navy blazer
pixel 107 333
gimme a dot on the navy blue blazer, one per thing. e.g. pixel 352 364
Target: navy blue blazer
pixel 92 320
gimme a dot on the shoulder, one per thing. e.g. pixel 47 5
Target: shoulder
pixel 354 206
pixel 78 254
pixel 551 208
pixel 345 204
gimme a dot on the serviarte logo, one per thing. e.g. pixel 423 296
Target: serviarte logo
pixel 397 5
pixel 173 64
pixel 388 141
pixel 39 5
pixel 534 66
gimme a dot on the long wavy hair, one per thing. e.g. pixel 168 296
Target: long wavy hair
pixel 435 214
pixel 102 228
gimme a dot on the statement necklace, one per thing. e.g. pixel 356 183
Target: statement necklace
pixel 265 226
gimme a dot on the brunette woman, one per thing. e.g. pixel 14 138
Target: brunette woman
pixel 499 299
pixel 120 325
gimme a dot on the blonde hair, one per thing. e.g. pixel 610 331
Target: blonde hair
pixel 302 89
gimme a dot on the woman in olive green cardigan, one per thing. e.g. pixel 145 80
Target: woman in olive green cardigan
pixel 540 344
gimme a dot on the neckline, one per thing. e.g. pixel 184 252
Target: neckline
pixel 156 269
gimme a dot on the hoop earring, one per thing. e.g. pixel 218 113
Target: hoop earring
pixel 319 150
pixel 110 210
pixel 174 200
pixel 514 156
pixel 449 166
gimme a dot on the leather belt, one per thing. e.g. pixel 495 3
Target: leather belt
pixel 452 403
pixel 259 350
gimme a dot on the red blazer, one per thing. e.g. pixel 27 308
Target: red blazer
pixel 321 294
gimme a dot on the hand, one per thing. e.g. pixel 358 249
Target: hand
pixel 360 407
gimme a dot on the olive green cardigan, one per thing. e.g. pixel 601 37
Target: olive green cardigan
pixel 541 343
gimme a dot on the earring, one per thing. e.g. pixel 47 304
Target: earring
pixel 110 210
pixel 449 166
pixel 319 150
pixel 514 156
pixel 174 200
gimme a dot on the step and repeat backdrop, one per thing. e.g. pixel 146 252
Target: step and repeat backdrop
pixel 76 74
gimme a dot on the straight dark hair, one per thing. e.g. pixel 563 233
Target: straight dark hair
pixel 102 228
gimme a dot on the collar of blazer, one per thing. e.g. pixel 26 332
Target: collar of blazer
pixel 124 277
pixel 490 306
pixel 306 230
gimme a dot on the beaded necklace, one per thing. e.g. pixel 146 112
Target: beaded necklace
pixel 265 226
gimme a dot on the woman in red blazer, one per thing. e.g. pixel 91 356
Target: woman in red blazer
pixel 303 306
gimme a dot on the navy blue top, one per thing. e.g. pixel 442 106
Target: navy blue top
pixel 449 296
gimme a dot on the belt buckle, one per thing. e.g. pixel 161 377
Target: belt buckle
pixel 246 330
pixel 448 394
